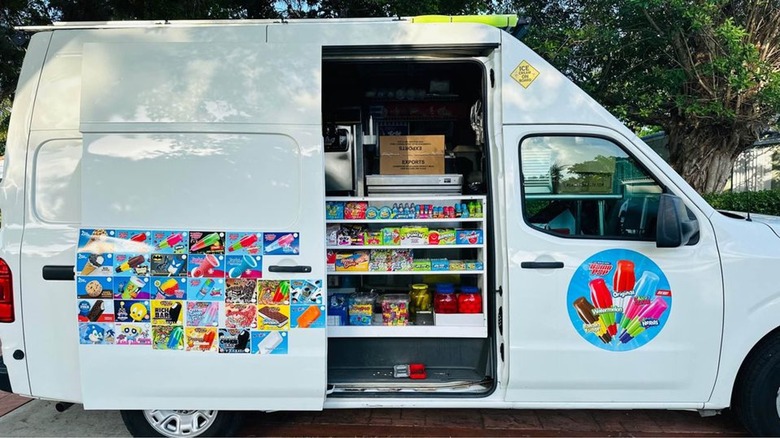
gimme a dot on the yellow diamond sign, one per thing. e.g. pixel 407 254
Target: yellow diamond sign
pixel 524 74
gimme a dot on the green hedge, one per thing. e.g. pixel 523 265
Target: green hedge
pixel 763 202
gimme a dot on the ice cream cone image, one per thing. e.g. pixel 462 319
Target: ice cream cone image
pixel 95 261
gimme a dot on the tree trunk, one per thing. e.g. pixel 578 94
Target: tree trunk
pixel 704 156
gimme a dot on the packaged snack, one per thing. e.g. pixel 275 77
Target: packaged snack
pixel 401 260
pixel 457 265
pixel 395 309
pixel 391 236
pixel 441 237
pixel 372 238
pixel 380 260
pixel 334 210
pixel 355 210
pixel 361 308
pixel 385 213
pixel 351 235
pixel 372 213
pixel 421 265
pixel 440 265
pixel 332 233
pixel 331 257
pixel 468 237
pixel 352 261
pixel 474 265
pixel 337 309
pixel 414 235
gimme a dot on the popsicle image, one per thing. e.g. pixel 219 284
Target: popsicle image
pixel 174 266
pixel 205 242
pixel 281 242
pixel 585 312
pixel 602 299
pixel 131 263
pixel 206 266
pixel 208 285
pixel 175 338
pixel 643 290
pixel 211 316
pixel 208 339
pixel 95 261
pixel 269 343
pixel 170 241
pixel 308 317
pixel 169 288
pixel 653 311
pixel 140 237
pixel 245 242
pixel 623 281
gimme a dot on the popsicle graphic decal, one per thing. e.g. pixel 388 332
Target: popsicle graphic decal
pixel 613 310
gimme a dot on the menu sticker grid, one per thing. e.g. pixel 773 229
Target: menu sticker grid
pixel 191 290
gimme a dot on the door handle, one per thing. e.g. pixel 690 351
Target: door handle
pixel 541 265
pixel 58 273
pixel 289 269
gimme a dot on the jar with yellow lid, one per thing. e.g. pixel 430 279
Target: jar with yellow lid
pixel 420 298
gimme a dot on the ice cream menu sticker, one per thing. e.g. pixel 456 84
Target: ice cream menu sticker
pixel 619 300
pixel 191 290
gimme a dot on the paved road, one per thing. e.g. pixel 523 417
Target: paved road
pixel 39 418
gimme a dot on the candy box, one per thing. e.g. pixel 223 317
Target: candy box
pixel 414 236
pixel 391 236
pixel 331 258
pixel 421 265
pixel 334 210
pixel 351 235
pixel 440 265
pixel 441 237
pixel 474 265
pixel 401 260
pixel 380 260
pixel 457 265
pixel 372 238
pixel 395 309
pixel 338 309
pixel 355 210
pixel 468 237
pixel 352 261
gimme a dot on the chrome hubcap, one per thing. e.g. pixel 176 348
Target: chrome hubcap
pixel 180 423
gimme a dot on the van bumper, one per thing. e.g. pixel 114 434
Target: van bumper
pixel 5 381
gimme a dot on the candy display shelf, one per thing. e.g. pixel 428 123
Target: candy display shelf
pixel 406 331
pixel 474 272
pixel 354 247
pixel 403 221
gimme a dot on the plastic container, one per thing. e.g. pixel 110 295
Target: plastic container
pixel 395 309
pixel 469 300
pixel 361 308
pixel 445 300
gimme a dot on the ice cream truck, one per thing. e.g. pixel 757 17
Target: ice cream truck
pixel 232 216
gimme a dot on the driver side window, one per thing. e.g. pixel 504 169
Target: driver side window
pixel 587 187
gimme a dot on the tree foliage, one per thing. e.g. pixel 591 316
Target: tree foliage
pixel 706 71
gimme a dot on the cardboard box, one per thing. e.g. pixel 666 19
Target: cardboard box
pixel 411 155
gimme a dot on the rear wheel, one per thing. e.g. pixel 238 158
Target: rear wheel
pixel 757 392
pixel 181 423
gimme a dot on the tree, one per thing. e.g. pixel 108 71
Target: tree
pixel 706 71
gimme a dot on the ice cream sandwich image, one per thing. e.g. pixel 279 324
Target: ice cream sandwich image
pixel 269 343
pixel 272 316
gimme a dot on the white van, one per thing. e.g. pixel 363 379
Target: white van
pixel 200 218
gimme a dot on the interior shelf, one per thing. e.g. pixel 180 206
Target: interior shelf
pixel 429 198
pixel 407 331
pixel 402 221
pixel 358 247
pixel 476 272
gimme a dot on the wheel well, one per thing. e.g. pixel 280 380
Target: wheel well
pixel 757 347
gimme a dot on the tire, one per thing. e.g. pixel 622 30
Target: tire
pixel 756 400
pixel 207 423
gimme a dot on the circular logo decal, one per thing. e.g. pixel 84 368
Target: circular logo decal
pixel 619 300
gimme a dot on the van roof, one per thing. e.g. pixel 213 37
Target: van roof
pixel 497 20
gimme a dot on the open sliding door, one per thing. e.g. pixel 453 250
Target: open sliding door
pixel 201 255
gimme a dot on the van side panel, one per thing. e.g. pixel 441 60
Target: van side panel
pixel 12 203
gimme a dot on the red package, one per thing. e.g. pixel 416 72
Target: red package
pixel 355 210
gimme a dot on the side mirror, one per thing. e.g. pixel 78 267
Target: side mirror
pixel 674 228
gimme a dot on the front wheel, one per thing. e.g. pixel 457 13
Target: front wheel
pixel 181 423
pixel 756 399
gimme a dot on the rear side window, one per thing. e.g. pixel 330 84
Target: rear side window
pixel 57 181
pixel 586 187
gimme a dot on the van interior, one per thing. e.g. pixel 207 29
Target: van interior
pixel 370 99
